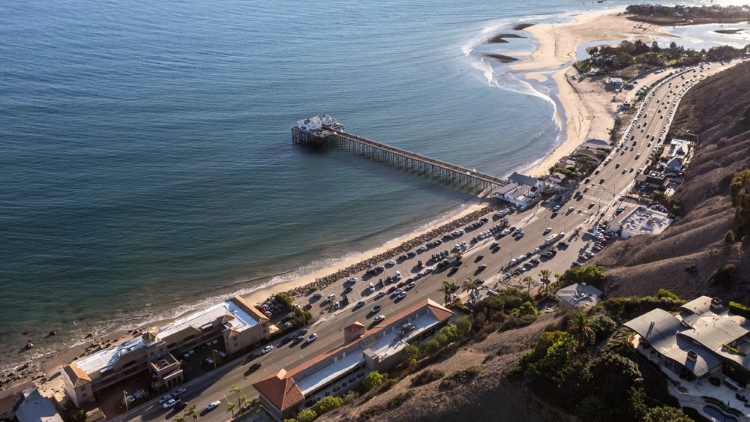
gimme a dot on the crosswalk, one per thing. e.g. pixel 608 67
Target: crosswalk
pixel 599 200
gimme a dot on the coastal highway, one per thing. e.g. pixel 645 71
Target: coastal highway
pixel 329 324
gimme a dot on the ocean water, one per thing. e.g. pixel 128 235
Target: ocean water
pixel 145 154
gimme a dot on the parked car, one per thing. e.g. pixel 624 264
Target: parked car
pixel 266 349
pixel 379 318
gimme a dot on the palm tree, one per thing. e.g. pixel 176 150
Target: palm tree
pixel 447 291
pixel 557 276
pixel 528 280
pixel 470 285
pixel 230 406
pixel 544 274
pixel 235 389
pixel 242 401
pixel 580 326
pixel 190 411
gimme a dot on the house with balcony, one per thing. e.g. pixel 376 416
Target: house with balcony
pixel 237 323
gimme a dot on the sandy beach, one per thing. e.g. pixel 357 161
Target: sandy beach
pixel 588 108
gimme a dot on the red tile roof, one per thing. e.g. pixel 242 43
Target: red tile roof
pixel 280 389
pixel 354 327
pixel 77 376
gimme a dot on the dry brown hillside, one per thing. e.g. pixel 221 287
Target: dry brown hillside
pixel 717 110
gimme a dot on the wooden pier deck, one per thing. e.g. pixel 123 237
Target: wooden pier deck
pixel 398 157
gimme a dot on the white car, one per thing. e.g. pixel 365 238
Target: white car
pixel 213 405
pixel 179 391
pixel 380 294
pixel 330 297
pixel 266 349
pixel 390 262
pixel 165 399
pixel 169 404
pixel 379 318
pixel 352 280
pixel 312 337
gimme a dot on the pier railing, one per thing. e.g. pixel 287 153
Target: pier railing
pixel 399 157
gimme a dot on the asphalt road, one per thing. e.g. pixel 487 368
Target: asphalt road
pixel 329 326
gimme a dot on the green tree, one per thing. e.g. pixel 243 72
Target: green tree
pixel 603 326
pixel 447 290
pixel 463 326
pixel 470 285
pixel 544 275
pixel 238 390
pixel 442 340
pixel 373 379
pixel 190 411
pixel 329 403
pixel 593 409
pixel 409 353
pixel 308 415
pixel 666 414
pixel 526 309
pixel 431 346
pixel 591 274
pixel 610 369
pixel 729 237
pixel 580 327
pixel 529 280
pixel 230 407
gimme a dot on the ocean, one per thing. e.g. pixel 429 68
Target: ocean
pixel 146 163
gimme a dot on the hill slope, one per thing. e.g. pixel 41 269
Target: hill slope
pixel 717 110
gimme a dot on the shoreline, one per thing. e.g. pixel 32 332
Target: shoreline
pixel 582 101
pixel 579 124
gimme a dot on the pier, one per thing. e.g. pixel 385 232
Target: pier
pixel 324 131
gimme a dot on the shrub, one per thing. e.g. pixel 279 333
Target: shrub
pixel 514 373
pixel 431 346
pixel 463 325
pixel 409 353
pixel 400 399
pixel 308 415
pixel 312 289
pixel 329 403
pixel 723 275
pixel 739 309
pixel 729 237
pixel 666 293
pixel 427 376
pixel 349 397
pixel 374 379
pixel 460 377
pixel 603 326
pixel 284 299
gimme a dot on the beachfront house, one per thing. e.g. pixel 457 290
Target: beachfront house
pixel 36 408
pixel 227 327
pixel 285 393
pixel 697 342
pixel 617 82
